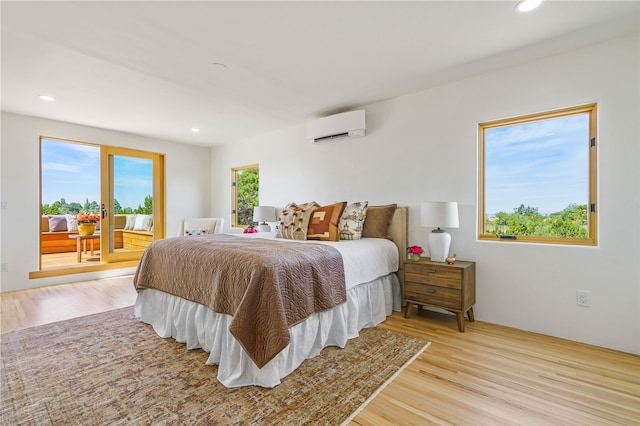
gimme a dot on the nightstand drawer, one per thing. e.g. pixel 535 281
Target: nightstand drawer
pixel 433 295
pixel 441 276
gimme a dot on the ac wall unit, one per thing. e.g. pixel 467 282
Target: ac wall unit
pixel 346 125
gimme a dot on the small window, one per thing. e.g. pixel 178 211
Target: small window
pixel 244 194
pixel 537 178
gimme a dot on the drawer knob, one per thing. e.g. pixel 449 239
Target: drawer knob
pixel 430 290
pixel 431 271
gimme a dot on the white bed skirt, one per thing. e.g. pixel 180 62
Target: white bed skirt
pixel 196 325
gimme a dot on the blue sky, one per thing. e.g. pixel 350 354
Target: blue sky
pixel 134 177
pixel 544 164
pixel 72 171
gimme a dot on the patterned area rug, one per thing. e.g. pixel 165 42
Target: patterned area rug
pixel 110 368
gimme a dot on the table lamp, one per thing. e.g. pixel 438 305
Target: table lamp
pixel 262 215
pixel 439 214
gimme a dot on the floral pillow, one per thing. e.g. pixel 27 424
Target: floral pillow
pixel 194 232
pixel 294 221
pixel 352 221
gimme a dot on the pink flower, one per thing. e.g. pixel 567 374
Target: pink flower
pixel 249 230
pixel 415 250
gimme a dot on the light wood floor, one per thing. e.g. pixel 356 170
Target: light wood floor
pixel 489 375
pixel 69 260
pixel 28 308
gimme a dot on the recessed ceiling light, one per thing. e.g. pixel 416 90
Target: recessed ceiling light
pixel 528 5
pixel 195 129
pixel 47 98
pixel 219 66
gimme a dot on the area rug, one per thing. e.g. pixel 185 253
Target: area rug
pixel 110 368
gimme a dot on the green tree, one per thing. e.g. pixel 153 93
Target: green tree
pixel 61 206
pixel 571 222
pixel 90 207
pixel 74 208
pixel 86 207
pixel 527 211
pixel 50 209
pixel 148 206
pixel 246 195
pixel 567 229
pixel 576 213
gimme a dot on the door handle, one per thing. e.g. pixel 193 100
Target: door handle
pixel 103 211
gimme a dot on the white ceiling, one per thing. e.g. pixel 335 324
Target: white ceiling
pixel 146 67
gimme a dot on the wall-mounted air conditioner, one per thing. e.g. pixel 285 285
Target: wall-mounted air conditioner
pixel 346 125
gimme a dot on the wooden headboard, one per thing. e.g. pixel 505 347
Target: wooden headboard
pixel 399 231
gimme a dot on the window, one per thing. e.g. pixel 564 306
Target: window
pixel 537 178
pixel 244 194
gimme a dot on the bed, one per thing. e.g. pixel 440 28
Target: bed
pixel 253 341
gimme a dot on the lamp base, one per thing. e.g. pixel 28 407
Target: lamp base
pixel 264 227
pixel 439 243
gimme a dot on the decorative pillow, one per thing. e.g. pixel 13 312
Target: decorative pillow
pixel 130 222
pixel 143 222
pixel 294 221
pixel 192 232
pixel 57 223
pixel 376 225
pixel 72 223
pixel 323 224
pixel 352 221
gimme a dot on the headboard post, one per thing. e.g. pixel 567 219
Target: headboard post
pixel 399 231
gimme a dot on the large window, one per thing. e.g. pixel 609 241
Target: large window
pixel 244 194
pixel 538 178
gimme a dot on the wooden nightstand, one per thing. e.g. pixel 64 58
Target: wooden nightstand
pixel 450 287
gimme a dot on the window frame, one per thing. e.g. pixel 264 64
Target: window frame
pixel 592 206
pixel 234 192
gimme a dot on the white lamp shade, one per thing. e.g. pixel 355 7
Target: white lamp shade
pixel 439 214
pixel 262 215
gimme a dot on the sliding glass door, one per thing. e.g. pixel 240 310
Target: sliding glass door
pixel 133 206
pixel 81 180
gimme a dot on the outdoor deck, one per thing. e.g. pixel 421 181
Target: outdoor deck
pixel 69 260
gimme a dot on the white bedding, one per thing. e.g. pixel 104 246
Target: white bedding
pixel 364 260
pixel 373 291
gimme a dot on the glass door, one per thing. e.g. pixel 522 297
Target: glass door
pixel 132 209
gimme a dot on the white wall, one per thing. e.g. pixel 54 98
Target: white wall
pixel 423 147
pixel 188 188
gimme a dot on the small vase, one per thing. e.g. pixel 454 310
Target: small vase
pixel 86 228
pixel 414 256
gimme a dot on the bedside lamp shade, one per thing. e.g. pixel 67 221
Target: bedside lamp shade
pixel 262 215
pixel 439 214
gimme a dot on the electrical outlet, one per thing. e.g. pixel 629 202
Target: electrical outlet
pixel 3 267
pixel 584 298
